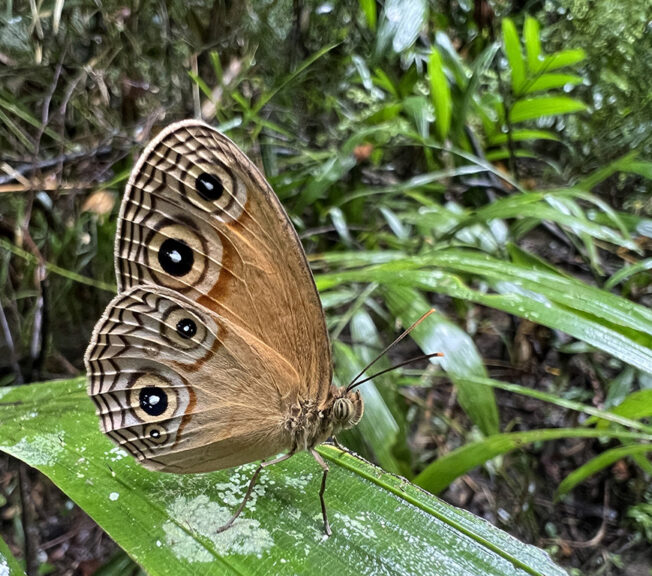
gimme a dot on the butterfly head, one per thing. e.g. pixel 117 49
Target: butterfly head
pixel 347 408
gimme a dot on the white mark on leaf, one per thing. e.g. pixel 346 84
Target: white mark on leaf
pixel 202 517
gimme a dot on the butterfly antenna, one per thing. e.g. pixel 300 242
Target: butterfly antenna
pixel 400 365
pixel 355 382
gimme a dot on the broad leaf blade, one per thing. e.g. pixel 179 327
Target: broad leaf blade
pixel 167 522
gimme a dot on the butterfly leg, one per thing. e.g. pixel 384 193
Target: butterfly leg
pixel 324 467
pixel 337 444
pixel 252 483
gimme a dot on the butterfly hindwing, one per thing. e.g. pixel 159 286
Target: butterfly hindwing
pixel 181 388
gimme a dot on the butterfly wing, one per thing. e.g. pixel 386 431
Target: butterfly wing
pixel 175 384
pixel 201 230
pixel 199 218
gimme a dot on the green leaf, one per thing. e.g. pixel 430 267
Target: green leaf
pixel 541 206
pixel 461 358
pixel 21 112
pixel 9 566
pixel 600 462
pixel 267 96
pixel 504 153
pixel 532 44
pixel 640 167
pixel 541 106
pixel 438 475
pixel 562 59
pixel 419 111
pixel 481 66
pixel 604 320
pixel 550 82
pixel 54 269
pixel 627 272
pixel 512 46
pixel 202 85
pixel 167 522
pixel 522 136
pixel 369 9
pixel 603 415
pixel 440 94
pixel 620 164
pixel 637 405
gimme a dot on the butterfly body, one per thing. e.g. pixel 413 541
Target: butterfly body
pixel 215 352
pixel 309 424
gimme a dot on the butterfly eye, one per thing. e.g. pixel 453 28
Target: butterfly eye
pixel 209 187
pixel 342 409
pixel 175 257
pixel 186 328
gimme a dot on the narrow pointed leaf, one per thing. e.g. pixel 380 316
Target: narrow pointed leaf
pixel 562 59
pixel 9 565
pixel 512 46
pixel 545 82
pixel 604 320
pixel 438 475
pixel 532 44
pixel 600 462
pixel 369 9
pixel 440 94
pixel 461 358
pixel 522 136
pixel 542 106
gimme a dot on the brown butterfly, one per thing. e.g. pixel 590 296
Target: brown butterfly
pixel 215 352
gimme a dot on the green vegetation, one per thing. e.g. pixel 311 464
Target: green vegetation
pixel 428 155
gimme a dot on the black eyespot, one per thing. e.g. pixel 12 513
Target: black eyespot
pixel 186 328
pixel 175 257
pixel 156 433
pixel 209 187
pixel 153 400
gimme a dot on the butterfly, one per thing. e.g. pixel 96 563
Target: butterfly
pixel 215 351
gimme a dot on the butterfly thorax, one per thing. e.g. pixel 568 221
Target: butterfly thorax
pixel 310 423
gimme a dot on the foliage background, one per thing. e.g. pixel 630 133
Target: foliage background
pixel 422 165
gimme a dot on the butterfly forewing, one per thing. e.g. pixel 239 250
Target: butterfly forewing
pixel 200 219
